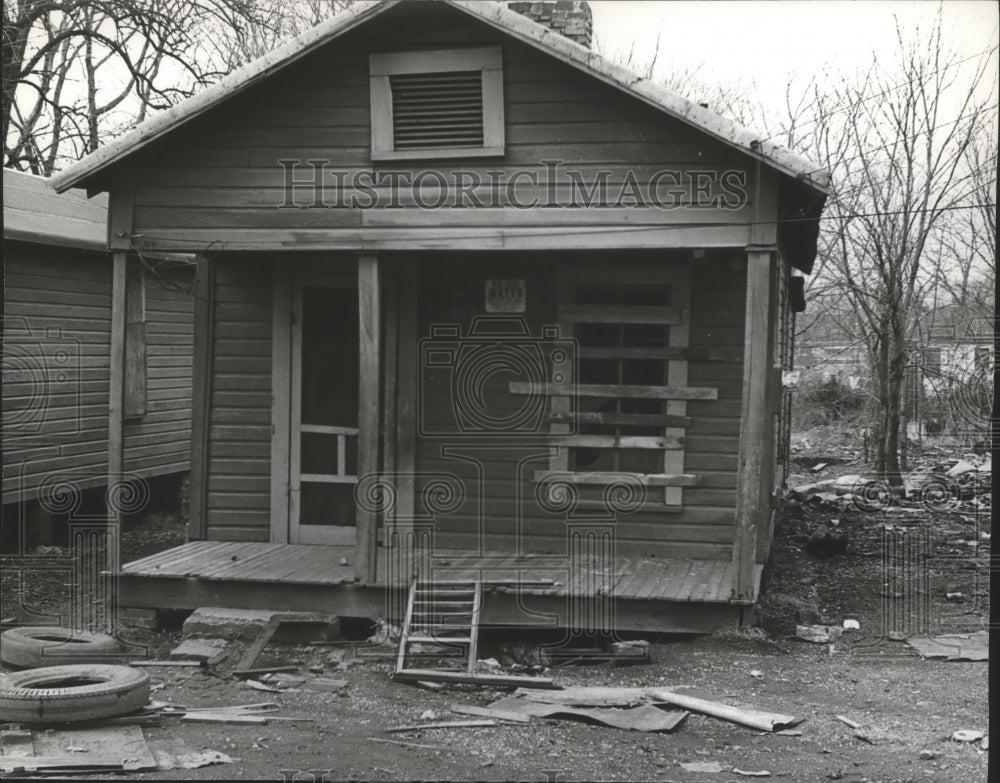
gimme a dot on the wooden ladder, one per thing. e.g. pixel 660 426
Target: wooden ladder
pixel 443 613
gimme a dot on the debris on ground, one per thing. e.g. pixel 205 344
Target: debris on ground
pixel 207 650
pixel 646 717
pixel 818 634
pixel 701 766
pixel 848 722
pixel 967 735
pixel 59 752
pixel 453 724
pixel 751 773
pixel 953 647
pixel 754 718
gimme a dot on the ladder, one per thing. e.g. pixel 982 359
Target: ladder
pixel 442 613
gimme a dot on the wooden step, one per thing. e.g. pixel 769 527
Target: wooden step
pixel 439 639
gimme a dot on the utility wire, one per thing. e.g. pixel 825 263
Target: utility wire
pixel 849 106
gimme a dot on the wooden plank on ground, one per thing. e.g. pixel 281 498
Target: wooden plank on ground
pixel 497 680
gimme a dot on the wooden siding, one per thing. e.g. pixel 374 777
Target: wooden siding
pixel 57 330
pixel 499 509
pixel 238 506
pixel 220 180
pixel 57 327
pixel 160 440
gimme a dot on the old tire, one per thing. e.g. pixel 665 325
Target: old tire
pixel 63 694
pixel 52 646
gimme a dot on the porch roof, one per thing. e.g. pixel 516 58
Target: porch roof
pixel 88 171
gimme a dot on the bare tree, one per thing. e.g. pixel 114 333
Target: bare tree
pixel 900 170
pixel 79 72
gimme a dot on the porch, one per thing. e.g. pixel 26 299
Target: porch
pixel 666 595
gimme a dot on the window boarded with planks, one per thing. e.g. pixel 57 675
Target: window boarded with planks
pixel 496 492
pixel 627 406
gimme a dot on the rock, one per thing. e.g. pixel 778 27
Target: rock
pixel 967 735
pixel 818 634
pixel 198 649
pixel 248 623
pixel 781 612
pixel 827 542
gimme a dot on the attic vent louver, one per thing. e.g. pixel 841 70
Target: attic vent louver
pixel 445 103
pixel 433 110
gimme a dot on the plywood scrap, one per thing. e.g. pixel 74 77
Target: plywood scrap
pixel 646 717
pixel 58 765
pixel 112 747
pixel 953 647
pixel 755 719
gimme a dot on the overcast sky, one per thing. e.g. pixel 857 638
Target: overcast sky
pixel 777 40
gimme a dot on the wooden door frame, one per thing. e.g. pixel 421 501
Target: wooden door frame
pixel 285 348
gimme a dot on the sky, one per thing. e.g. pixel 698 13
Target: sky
pixel 773 41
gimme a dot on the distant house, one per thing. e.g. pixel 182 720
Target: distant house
pixel 471 299
pixel 63 407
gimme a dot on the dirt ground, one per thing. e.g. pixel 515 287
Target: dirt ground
pixel 908 708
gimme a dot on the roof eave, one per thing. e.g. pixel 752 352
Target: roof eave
pixel 494 14
pixel 237 82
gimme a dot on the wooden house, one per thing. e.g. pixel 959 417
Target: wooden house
pixel 472 297
pixel 60 415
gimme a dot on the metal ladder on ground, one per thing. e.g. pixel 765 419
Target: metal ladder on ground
pixel 441 613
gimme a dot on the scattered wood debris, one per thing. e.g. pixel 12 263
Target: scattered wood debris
pixel 755 719
pixel 453 724
pixel 489 712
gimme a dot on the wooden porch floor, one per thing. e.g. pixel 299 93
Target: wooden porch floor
pixel 644 579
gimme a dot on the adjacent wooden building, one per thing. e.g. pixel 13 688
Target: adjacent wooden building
pixel 58 384
pixel 471 298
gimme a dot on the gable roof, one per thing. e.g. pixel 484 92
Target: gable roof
pixel 33 213
pixel 492 13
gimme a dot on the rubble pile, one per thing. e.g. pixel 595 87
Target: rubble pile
pixel 963 483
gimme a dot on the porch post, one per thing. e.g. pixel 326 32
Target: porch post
pixel 366 550
pixel 753 490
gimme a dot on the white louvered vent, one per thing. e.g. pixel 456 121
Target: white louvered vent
pixel 434 110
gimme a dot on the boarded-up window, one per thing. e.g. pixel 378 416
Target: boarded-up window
pixel 625 413
pixel 135 339
pixel 436 104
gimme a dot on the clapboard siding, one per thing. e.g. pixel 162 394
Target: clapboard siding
pixel 57 303
pixel 499 504
pixel 161 439
pixel 718 312
pixel 238 474
pixel 222 173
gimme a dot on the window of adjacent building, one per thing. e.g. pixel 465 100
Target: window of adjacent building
pixel 437 104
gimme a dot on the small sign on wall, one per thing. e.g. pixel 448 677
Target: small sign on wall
pixel 505 296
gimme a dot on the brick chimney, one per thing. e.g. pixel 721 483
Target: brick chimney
pixel 571 18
